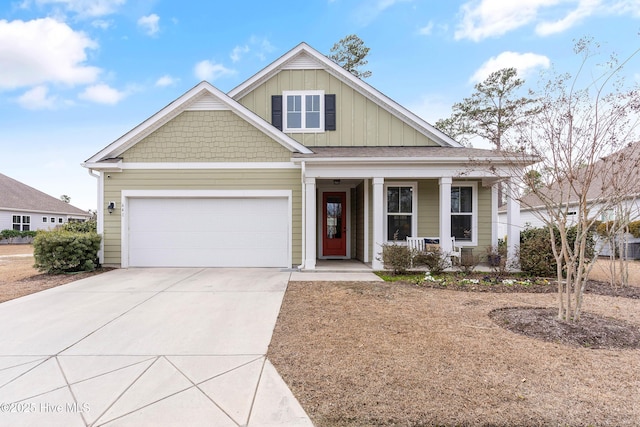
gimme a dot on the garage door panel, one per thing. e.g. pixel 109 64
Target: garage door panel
pixel 213 232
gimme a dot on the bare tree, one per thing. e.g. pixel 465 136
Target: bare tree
pixel 580 121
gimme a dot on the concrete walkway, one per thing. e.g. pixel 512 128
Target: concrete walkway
pixel 146 347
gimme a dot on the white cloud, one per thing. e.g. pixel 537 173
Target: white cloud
pixel 237 52
pixel 102 24
pixel 368 12
pixel 86 8
pixel 210 71
pixel 525 63
pixel 585 9
pixel 481 19
pixel 426 30
pixel 102 94
pixel 37 98
pixel 431 107
pixel 150 24
pixel 166 80
pixel 43 51
pixel 261 46
pixel 489 18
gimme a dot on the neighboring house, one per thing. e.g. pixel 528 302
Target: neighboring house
pixel 301 162
pixel 617 183
pixel 24 208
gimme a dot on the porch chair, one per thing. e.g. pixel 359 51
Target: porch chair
pixel 415 244
pixel 430 243
pixel 456 252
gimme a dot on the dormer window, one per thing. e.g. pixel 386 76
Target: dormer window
pixel 304 111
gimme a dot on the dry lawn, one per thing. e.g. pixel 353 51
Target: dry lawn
pixel 18 277
pixel 379 354
pixel 602 271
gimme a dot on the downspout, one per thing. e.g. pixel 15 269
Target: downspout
pixel 304 216
pixel 99 213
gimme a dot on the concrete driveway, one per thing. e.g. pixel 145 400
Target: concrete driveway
pixel 146 347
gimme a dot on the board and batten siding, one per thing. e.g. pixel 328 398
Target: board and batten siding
pixel 207 136
pixel 199 179
pixel 429 212
pixel 360 121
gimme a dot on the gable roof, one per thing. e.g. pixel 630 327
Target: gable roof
pixel 611 175
pixel 304 56
pixel 15 195
pixel 203 96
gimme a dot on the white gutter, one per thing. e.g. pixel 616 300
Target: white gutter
pixel 100 212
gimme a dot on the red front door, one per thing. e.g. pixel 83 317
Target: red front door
pixel 334 224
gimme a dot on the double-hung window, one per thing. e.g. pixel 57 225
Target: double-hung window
pixel 304 111
pixel 400 208
pixel 21 222
pixel 464 209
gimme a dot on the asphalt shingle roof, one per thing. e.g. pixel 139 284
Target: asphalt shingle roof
pixel 614 173
pixel 390 152
pixel 19 196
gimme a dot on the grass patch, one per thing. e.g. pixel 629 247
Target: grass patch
pixel 390 277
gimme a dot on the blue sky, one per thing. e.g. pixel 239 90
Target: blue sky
pixel 77 74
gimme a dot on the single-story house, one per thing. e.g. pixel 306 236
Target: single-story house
pixel 614 191
pixel 23 208
pixel 303 161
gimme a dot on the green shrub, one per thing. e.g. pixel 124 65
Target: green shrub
pixel 603 228
pixel 11 234
pixel 536 254
pixel 397 257
pixel 81 227
pixel 61 251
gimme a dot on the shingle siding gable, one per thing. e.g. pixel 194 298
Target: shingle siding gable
pixel 207 136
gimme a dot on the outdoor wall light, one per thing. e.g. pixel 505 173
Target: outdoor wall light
pixel 336 182
pixel 111 207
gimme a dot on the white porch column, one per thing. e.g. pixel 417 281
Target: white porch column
pixel 494 215
pixel 445 214
pixel 310 224
pixel 378 223
pixel 513 227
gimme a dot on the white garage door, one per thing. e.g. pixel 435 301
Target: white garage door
pixel 208 232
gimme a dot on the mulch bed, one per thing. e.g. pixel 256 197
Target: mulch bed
pixel 488 284
pixel 592 331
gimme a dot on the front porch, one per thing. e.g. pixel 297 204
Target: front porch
pixel 350 219
pixel 356 266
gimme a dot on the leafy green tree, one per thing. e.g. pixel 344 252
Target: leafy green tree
pixel 65 198
pixel 350 53
pixel 492 110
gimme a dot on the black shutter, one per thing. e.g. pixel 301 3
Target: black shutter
pixel 330 112
pixel 276 111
